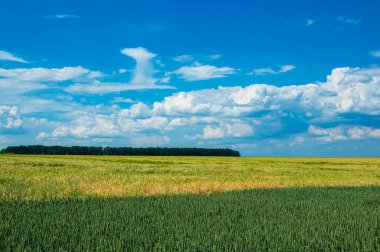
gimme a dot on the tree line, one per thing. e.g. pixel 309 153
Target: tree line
pixel 117 151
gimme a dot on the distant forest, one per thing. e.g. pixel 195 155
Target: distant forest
pixel 117 151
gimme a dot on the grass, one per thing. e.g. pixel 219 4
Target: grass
pixel 282 219
pixel 24 177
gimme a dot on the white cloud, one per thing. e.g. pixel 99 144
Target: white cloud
pixel 102 88
pixel 361 132
pixel 228 114
pixel 62 16
pixel 210 132
pixel 344 133
pixel 11 88
pixel 144 70
pixel 375 54
pixel 7 56
pixel 352 21
pixel 42 135
pixel 184 58
pixel 142 77
pixel 239 129
pixel 9 118
pixel 123 100
pixel 49 74
pixel 297 141
pixel 346 91
pixel 203 72
pixel 269 70
pixel 286 68
pixel 328 135
pixel 309 22
pixel 234 129
pixel 214 56
pixel 16 86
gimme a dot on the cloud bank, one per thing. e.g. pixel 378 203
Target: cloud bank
pixel 61 106
pixel 247 114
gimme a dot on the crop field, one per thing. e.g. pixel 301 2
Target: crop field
pixel 25 177
pixel 101 203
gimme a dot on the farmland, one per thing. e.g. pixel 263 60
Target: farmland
pixel 142 203
pixel 78 177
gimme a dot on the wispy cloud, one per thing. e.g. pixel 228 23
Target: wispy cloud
pixel 203 72
pixel 213 56
pixel 102 88
pixel 7 56
pixel 42 75
pixel 352 21
pixel 62 16
pixel 270 70
pixel 375 54
pixel 184 58
pixel 123 100
pixel 309 22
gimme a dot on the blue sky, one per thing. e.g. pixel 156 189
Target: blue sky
pixel 266 78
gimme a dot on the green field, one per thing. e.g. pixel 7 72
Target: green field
pixel 100 203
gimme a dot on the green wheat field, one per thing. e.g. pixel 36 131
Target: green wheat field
pixel 102 203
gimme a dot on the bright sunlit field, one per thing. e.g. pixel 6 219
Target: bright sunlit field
pixel 25 177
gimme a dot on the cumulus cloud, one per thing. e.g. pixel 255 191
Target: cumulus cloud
pixel 9 118
pixel 269 70
pixel 254 111
pixel 343 133
pixel 203 72
pixel 42 135
pixel 329 134
pixel 7 56
pixel 235 130
pixel 231 115
pixel 210 132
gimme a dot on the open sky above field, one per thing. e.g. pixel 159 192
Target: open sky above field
pixel 262 77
